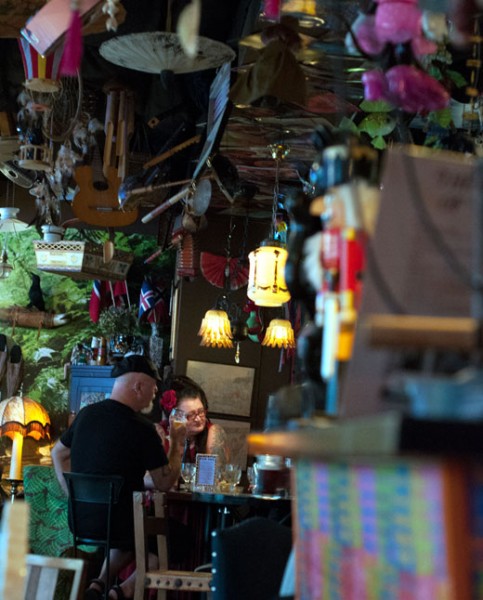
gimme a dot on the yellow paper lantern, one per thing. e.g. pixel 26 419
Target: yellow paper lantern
pixel 266 279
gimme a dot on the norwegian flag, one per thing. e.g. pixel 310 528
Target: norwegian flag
pixel 146 299
pixel 99 299
pixel 159 312
pixel 120 294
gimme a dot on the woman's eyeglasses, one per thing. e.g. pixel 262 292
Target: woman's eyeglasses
pixel 191 416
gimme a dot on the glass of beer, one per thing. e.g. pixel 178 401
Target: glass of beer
pixel 177 418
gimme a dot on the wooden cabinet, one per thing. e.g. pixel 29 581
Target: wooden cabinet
pixel 89 384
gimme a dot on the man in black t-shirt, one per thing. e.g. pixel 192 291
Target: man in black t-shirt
pixel 112 438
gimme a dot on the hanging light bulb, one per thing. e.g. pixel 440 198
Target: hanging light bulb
pixel 279 334
pixel 215 330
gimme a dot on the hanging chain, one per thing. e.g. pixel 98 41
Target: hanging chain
pixel 279 152
pixel 276 188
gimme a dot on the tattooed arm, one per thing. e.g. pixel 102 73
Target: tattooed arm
pixel 217 443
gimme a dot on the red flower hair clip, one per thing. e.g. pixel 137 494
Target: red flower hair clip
pixel 168 400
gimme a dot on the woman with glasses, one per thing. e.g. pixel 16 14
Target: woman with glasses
pixel 202 436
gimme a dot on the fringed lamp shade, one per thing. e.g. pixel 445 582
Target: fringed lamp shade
pixel 22 417
pixel 215 330
pixel 279 334
pixel 266 281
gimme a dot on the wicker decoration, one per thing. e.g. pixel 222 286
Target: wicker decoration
pixel 81 260
pixel 37 158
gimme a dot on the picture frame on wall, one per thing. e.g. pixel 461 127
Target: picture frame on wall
pixel 229 388
pixel 236 435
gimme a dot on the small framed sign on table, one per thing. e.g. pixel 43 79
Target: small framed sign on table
pixel 206 469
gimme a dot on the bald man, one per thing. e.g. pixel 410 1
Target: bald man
pixel 112 438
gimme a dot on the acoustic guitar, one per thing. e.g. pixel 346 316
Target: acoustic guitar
pixel 96 202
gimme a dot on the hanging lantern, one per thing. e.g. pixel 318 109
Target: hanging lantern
pixel 41 72
pixel 9 222
pixel 215 330
pixel 279 334
pixel 266 280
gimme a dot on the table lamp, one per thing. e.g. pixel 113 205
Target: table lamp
pixel 21 417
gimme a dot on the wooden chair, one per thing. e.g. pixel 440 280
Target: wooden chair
pixel 162 579
pixel 47 573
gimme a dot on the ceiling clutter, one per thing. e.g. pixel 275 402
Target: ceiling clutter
pixel 177 112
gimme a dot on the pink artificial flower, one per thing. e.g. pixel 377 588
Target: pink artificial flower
pixel 414 91
pixel 364 30
pixel 375 85
pixel 168 401
pixel 406 87
pixel 397 22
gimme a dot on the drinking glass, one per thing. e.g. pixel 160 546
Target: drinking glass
pixel 188 472
pixel 251 478
pixel 232 475
pixel 177 418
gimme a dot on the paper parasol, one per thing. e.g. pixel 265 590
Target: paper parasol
pixel 157 51
pixel 213 270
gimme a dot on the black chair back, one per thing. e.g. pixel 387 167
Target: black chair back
pixel 249 559
pixel 86 489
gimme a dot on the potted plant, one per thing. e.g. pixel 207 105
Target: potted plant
pixel 118 324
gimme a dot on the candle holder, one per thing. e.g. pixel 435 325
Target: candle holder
pixel 14 485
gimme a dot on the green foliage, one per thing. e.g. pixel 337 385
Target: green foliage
pixel 118 320
pixel 456 77
pixel 442 117
pixel 46 352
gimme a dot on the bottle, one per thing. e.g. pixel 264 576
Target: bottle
pixel 94 350
pixel 155 346
pixel 102 352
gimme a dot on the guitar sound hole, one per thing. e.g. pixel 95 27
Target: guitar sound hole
pixel 100 186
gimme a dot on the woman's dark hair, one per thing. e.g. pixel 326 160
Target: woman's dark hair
pixel 185 387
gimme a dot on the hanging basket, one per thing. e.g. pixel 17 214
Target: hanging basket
pixel 81 260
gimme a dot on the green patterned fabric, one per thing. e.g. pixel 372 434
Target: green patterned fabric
pixel 48 529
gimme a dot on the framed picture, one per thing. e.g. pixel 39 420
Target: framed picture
pixel 206 471
pixel 236 433
pixel 228 388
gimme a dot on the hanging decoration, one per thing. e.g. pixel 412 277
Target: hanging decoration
pixel 73 49
pixel 224 326
pixel 41 72
pixel 395 36
pixel 215 330
pixel 215 269
pixel 266 280
pixel 279 334
pixel 188 27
